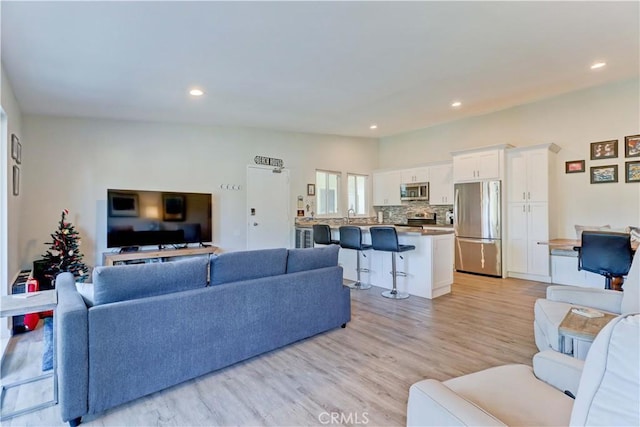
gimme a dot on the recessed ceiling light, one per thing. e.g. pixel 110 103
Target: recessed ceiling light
pixel 598 65
pixel 196 92
pixel 373 126
pixel 456 104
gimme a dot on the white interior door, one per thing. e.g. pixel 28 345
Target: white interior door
pixel 268 214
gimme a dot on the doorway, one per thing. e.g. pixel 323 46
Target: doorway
pixel 268 214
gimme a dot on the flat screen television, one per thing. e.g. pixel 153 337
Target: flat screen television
pixel 145 218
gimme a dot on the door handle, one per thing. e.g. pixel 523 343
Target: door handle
pixel 255 223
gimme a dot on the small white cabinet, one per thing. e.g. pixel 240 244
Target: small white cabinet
pixel 441 185
pixel 386 188
pixel 415 175
pixel 476 166
pixel 529 195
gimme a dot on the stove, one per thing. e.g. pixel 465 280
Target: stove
pixel 418 219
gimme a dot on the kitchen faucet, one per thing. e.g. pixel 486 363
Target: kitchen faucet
pixel 348 216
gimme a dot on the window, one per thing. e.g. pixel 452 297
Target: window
pixel 327 192
pixel 357 185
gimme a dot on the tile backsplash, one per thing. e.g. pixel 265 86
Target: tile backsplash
pixel 391 214
pixel 398 214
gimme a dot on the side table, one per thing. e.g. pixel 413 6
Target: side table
pixel 582 330
pixel 15 305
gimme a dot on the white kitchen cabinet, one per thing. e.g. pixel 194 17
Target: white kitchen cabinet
pixel 530 172
pixel 386 188
pixel 415 175
pixel 528 183
pixel 480 165
pixel 528 225
pixel 441 185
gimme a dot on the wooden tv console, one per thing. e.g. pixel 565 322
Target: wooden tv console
pixel 109 258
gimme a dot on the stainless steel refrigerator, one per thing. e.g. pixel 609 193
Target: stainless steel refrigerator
pixel 477 225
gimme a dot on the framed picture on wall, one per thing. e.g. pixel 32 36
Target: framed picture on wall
pixel 574 166
pixel 311 189
pixel 632 146
pixel 604 174
pixel 632 171
pixel 604 150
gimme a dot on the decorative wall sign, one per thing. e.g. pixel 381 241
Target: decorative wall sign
pixel 574 166
pixel 632 146
pixel 632 171
pixel 604 150
pixel 269 161
pixel 604 174
pixel 311 189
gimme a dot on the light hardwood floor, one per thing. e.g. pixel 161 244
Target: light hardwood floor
pixel 361 373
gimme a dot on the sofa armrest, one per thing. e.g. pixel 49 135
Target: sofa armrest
pixel 600 299
pixel 558 370
pixel 431 403
pixel 72 349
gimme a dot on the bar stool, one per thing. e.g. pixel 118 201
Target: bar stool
pixel 322 235
pixel 351 238
pixel 386 239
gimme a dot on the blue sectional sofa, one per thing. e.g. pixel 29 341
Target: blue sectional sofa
pixel 148 327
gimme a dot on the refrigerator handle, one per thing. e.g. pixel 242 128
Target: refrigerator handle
pixel 456 217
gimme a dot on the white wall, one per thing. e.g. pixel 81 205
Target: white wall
pixel 14 126
pixel 10 265
pixel 70 163
pixel 572 121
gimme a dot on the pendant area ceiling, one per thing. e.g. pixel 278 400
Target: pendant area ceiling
pixel 320 67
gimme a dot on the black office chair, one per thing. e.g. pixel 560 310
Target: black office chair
pixel 605 253
pixel 322 235
pixel 351 238
pixel 386 239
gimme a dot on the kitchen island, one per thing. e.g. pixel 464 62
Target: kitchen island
pixel 429 267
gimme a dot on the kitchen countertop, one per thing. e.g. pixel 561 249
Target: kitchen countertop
pixel 446 229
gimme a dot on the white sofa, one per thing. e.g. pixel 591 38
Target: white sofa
pixel 606 386
pixel 549 312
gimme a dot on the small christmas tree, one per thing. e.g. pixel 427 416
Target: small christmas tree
pixel 63 254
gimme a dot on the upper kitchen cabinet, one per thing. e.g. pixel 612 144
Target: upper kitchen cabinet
pixel 479 164
pixel 386 188
pixel 415 175
pixel 441 185
pixel 528 173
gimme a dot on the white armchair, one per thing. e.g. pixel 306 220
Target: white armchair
pixel 549 312
pixel 606 386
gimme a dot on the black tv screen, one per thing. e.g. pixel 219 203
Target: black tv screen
pixel 144 218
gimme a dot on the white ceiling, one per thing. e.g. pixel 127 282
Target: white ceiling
pixel 321 67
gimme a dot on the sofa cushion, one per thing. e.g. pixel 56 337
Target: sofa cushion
pixel 312 258
pixel 125 282
pixel 86 290
pixel 246 265
pixel 499 391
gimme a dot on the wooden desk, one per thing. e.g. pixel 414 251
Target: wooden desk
pixel 569 244
pixel 582 329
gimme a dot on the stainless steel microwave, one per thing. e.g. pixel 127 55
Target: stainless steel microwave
pixel 414 191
